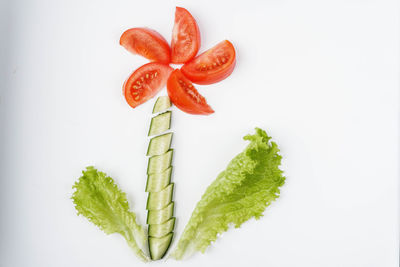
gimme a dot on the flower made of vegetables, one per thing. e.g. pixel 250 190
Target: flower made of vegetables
pixel 242 191
pixel 211 66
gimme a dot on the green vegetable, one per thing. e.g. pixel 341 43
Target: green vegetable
pixel 159 145
pixel 159 163
pixel 99 199
pixel 159 246
pixel 158 181
pixel 159 201
pixel 160 123
pixel 160 230
pixel 162 103
pixel 248 185
pixel 160 216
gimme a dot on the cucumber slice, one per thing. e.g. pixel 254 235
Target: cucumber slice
pixel 160 230
pixel 159 200
pixel 162 103
pixel 160 216
pixel 160 123
pixel 158 246
pixel 159 145
pixel 159 163
pixel 158 181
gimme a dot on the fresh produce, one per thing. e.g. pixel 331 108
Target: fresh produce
pixel 145 82
pixel 213 65
pixel 185 96
pixel 147 43
pixel 99 199
pixel 185 42
pixel 160 207
pixel 248 185
pixel 243 190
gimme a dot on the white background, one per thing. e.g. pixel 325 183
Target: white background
pixel 322 77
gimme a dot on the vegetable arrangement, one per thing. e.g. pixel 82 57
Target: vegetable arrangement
pixel 243 191
pixel 159 202
pixel 211 66
pixel 99 199
pixel 144 83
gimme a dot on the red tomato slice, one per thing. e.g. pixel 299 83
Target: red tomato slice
pixel 213 65
pixel 145 82
pixel 183 94
pixel 185 41
pixel 147 43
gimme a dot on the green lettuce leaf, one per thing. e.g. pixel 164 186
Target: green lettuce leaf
pixel 99 199
pixel 248 185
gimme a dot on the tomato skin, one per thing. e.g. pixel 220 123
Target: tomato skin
pixel 145 82
pixel 183 94
pixel 147 43
pixel 213 65
pixel 185 41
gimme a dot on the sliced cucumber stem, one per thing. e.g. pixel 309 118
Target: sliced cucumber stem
pixel 159 187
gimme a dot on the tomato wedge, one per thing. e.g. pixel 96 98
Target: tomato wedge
pixel 213 65
pixel 147 43
pixel 145 82
pixel 185 41
pixel 183 94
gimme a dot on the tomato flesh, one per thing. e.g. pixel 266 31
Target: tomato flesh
pixel 213 65
pixel 147 43
pixel 145 82
pixel 185 42
pixel 183 94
